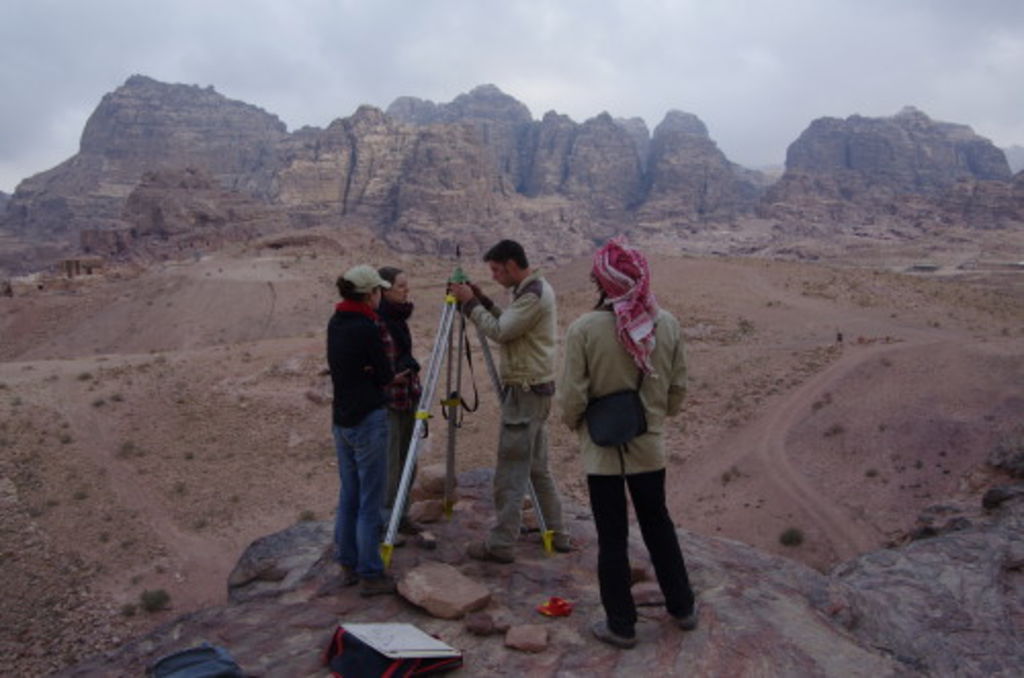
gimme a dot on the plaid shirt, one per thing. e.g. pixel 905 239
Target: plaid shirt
pixel 403 395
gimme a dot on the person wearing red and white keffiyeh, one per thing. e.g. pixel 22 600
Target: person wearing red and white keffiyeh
pixel 628 343
pixel 622 274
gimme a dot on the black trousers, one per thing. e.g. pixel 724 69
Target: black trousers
pixel 608 503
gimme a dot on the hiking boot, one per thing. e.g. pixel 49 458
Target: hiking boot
pixel 606 635
pixel 478 550
pixel 563 543
pixel 377 586
pixel 688 622
pixel 349 576
pixel 408 528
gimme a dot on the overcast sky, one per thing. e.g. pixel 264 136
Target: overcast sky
pixel 756 72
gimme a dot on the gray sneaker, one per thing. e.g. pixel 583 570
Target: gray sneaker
pixel 606 635
pixel 377 586
pixel 349 576
pixel 688 622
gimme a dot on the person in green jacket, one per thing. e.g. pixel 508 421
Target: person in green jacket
pixel 526 332
pixel 627 339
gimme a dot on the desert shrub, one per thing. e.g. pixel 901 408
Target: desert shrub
pixel 117 397
pixel 307 516
pixel 85 376
pixel 99 402
pixel 791 537
pixel 834 430
pixel 1008 453
pixel 65 438
pixel 154 600
pixel 128 610
pixel 871 472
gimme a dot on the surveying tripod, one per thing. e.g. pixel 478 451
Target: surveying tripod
pixel 445 343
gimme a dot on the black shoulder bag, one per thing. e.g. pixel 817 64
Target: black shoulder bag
pixel 615 419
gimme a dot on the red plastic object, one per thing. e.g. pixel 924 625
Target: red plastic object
pixel 555 607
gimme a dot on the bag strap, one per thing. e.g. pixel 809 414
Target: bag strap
pixel 623 448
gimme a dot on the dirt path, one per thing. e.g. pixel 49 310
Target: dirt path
pixel 762 443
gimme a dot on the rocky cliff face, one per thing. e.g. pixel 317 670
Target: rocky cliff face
pixel 858 168
pixel 171 213
pixel 424 176
pixel 146 125
pixel 688 178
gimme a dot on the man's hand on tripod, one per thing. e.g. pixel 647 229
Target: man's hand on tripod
pixel 463 291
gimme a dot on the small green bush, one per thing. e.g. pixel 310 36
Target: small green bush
pixel 791 537
pixel 154 600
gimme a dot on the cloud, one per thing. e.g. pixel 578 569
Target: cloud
pixel 756 73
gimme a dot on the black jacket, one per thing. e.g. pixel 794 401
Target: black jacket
pixel 359 367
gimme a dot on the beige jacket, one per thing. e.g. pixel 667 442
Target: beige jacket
pixel 596 364
pixel 525 330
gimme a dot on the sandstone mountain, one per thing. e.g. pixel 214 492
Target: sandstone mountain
pixel 860 169
pixel 428 177
pixel 424 176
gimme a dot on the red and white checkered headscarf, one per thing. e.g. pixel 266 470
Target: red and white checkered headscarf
pixel 622 273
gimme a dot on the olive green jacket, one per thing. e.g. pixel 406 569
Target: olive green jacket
pixel 525 330
pixel 596 364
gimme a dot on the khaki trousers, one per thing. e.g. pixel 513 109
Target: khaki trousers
pixel 522 457
pixel 400 426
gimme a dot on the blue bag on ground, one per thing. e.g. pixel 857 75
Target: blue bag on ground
pixel 202 661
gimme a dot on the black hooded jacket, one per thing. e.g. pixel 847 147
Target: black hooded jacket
pixel 359 367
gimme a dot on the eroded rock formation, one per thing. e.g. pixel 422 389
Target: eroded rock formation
pixel 862 168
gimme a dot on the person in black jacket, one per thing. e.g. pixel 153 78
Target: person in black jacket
pixel 403 393
pixel 360 371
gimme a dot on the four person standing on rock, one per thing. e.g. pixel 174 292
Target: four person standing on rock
pixel 627 342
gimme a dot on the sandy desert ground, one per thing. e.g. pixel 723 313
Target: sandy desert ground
pixel 155 422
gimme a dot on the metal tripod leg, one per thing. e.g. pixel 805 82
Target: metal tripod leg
pixel 454 400
pixel 422 414
pixel 547 536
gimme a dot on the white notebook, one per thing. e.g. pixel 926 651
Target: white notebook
pixel 401 640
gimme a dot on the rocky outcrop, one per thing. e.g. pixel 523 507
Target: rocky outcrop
pixel 171 211
pixel 688 177
pixel 948 605
pixel 603 170
pixel 500 119
pixel 142 126
pixel 859 168
pixel 427 177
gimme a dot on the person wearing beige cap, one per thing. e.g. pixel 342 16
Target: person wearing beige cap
pixel 360 371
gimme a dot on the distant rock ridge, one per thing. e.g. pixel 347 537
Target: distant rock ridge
pixel 427 177
pixel 860 168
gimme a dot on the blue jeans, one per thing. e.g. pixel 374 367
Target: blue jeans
pixel 363 468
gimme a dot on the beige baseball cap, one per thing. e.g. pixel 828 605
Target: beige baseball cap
pixel 365 278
